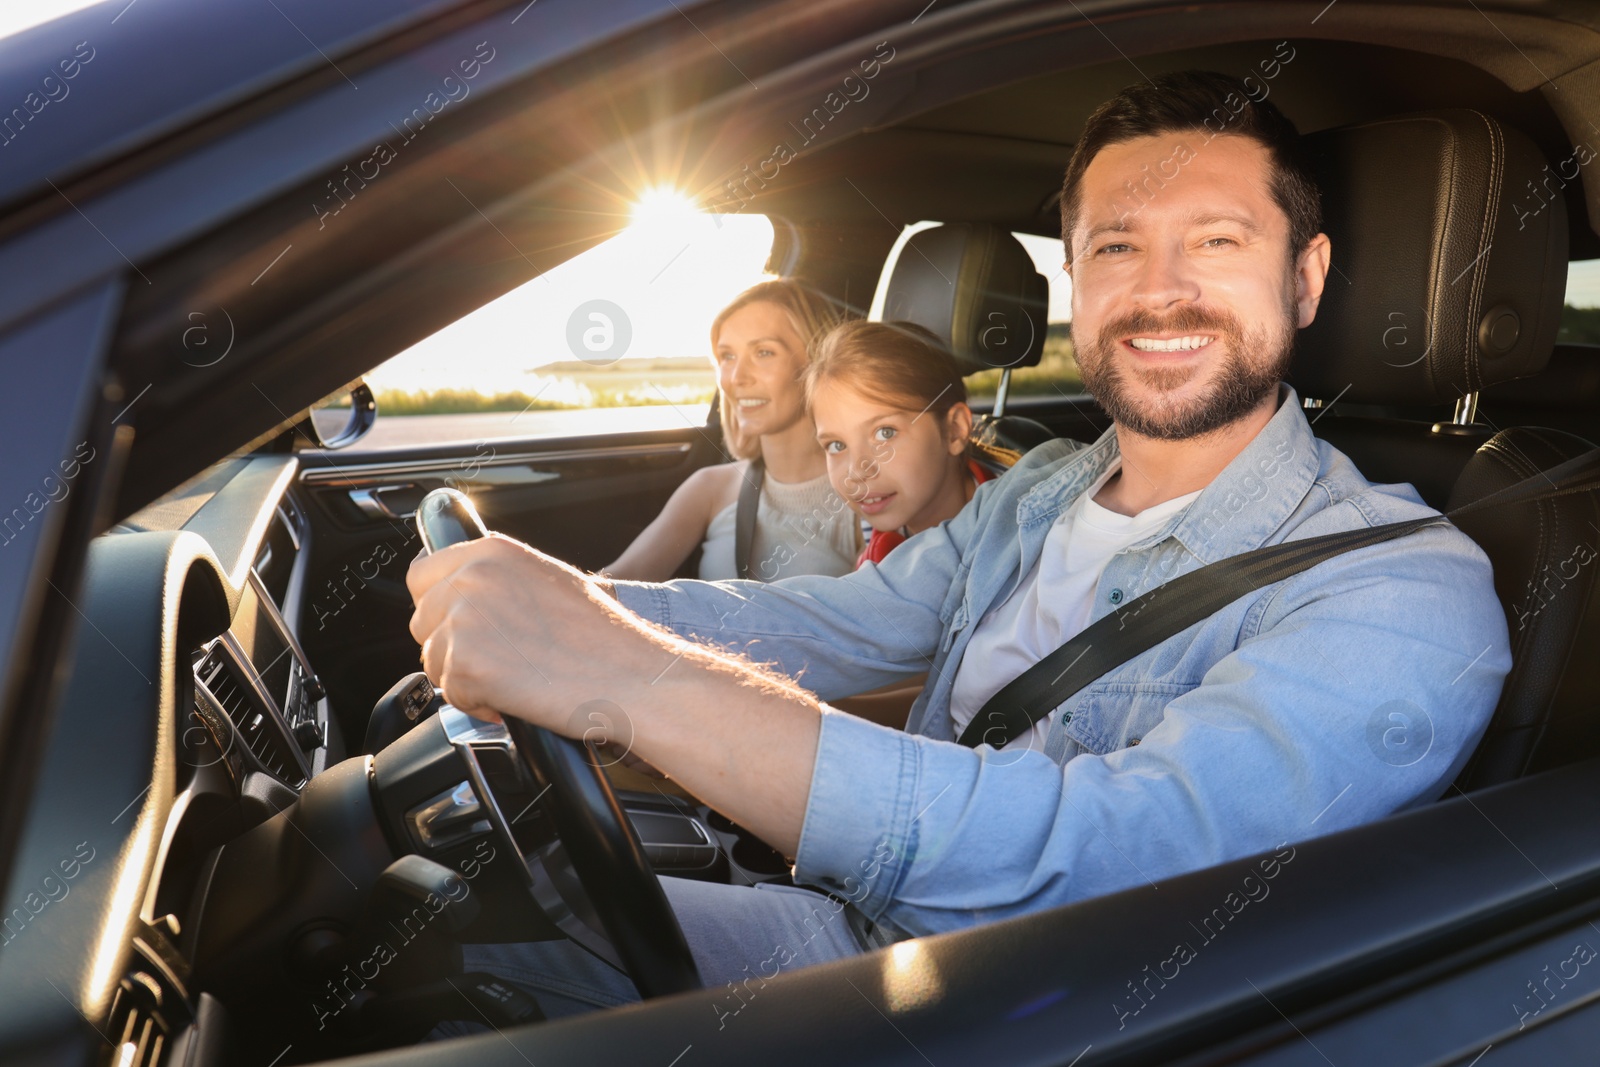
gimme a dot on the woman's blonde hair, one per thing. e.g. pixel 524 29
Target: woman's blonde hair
pixel 811 316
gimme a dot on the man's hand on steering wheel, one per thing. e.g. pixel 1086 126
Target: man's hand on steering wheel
pixel 507 629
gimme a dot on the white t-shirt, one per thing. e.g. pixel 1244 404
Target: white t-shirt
pixel 1051 604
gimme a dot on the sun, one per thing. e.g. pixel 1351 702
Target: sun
pixel 662 207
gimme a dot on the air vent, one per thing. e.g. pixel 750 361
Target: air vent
pixel 140 1030
pixel 250 717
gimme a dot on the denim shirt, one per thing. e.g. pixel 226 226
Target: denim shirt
pixel 1352 690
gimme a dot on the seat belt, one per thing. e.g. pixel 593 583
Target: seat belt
pixel 744 517
pixel 1171 608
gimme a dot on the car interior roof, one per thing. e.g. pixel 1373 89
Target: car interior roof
pixel 999 155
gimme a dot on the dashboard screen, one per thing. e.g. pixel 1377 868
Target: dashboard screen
pixel 253 626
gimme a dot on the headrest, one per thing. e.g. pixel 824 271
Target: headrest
pixel 976 288
pixel 1449 238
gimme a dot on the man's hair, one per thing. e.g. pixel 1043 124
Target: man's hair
pixel 1216 104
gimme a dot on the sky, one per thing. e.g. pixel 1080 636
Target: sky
pixel 666 275
pixel 1583 284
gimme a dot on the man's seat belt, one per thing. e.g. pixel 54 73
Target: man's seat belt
pixel 744 517
pixel 1169 609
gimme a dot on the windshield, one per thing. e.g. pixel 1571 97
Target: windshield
pixel 14 18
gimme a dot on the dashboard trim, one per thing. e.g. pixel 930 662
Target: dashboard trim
pixel 237 544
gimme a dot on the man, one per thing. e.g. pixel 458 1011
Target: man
pixel 1353 690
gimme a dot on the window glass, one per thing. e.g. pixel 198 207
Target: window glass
pixel 14 18
pixel 1057 372
pixel 615 339
pixel 1580 319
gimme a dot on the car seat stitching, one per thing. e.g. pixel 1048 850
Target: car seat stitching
pixel 1485 242
pixel 1441 245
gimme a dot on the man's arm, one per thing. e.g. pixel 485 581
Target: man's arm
pixel 844 635
pixel 878 625
pixel 837 636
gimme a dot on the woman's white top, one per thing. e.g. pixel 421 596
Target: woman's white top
pixel 801 528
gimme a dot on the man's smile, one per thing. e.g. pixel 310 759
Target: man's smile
pixel 1182 343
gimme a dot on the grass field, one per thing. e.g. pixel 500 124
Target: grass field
pixel 1056 374
pixel 570 386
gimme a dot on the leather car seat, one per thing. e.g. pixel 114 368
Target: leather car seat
pixel 1545 569
pixel 1444 285
pixel 975 287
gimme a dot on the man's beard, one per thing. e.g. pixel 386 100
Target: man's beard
pixel 1254 365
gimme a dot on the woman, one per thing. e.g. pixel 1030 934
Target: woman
pixel 762 345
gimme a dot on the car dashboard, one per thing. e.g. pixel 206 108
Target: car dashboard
pixel 188 715
pixel 256 706
pixel 199 818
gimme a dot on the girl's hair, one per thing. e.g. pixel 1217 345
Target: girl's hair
pixel 902 364
pixel 811 316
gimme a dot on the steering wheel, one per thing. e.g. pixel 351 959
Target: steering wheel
pixel 599 841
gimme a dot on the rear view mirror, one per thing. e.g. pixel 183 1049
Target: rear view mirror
pixel 340 419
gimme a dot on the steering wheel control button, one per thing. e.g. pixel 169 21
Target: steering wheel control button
pixel 415 701
pixel 407 702
pixel 448 819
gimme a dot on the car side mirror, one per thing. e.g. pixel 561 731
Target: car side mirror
pixel 339 420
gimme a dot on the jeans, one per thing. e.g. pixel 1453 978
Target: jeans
pixel 735 933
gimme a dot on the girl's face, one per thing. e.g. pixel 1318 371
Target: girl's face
pixel 894 467
pixel 760 360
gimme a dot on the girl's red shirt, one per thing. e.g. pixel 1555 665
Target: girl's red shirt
pixel 882 542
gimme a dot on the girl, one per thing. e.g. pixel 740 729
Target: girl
pixel 761 344
pixel 892 418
